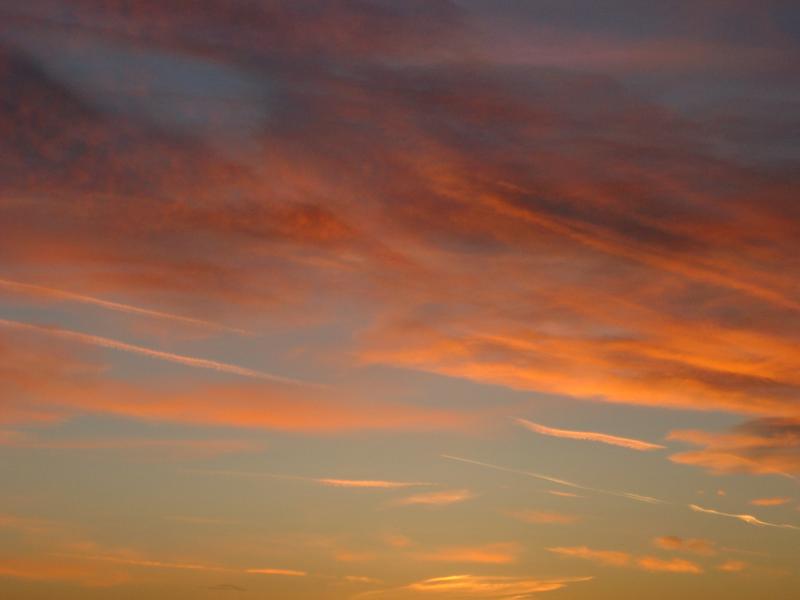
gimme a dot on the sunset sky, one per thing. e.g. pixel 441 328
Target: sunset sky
pixel 399 300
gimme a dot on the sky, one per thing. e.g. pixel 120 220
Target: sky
pixel 399 300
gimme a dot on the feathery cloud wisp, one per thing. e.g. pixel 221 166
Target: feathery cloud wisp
pixel 48 292
pixel 749 519
pixel 498 553
pixel 189 361
pixel 695 545
pixel 443 498
pixel 326 481
pixel 614 558
pixel 770 501
pixel 589 436
pixel 629 495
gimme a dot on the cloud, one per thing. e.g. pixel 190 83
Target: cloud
pixel 190 361
pixel 732 566
pixel 563 494
pixel 673 565
pixel 369 483
pixel 490 554
pixel 285 572
pixel 760 447
pixel 443 498
pixel 590 436
pixel 476 586
pixel 694 545
pixel 47 292
pixel 362 579
pixel 326 481
pixel 610 558
pixel 538 517
pixel 770 501
pixel 629 495
pixel 48 382
pixel 614 558
pixel 749 519
pixel 636 250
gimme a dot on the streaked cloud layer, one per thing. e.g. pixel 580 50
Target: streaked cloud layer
pixel 279 281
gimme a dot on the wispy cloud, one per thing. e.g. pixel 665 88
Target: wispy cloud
pixel 589 436
pixel 443 498
pixel 498 553
pixel 475 586
pixel 326 481
pixel 732 566
pixel 48 292
pixel 611 558
pixel 286 572
pixel 770 501
pixel 749 519
pixel 189 361
pixel 761 447
pixel 369 483
pixel 614 558
pixel 564 494
pixel 629 495
pixel 671 565
pixel 695 545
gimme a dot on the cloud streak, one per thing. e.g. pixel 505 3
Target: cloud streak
pixel 749 519
pixel 189 361
pixel 629 495
pixel 48 292
pixel 589 436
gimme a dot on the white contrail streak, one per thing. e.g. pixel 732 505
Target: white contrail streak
pixel 189 361
pixel 749 519
pixel 589 436
pixel 630 496
pixel 39 290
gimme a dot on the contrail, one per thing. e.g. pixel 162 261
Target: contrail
pixel 630 496
pixel 39 290
pixel 589 436
pixel 190 361
pixel 749 519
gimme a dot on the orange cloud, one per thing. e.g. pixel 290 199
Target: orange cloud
pixel 590 436
pixel 475 586
pixel 369 483
pixel 761 447
pixel 443 498
pixel 674 565
pixel 286 572
pixel 498 553
pixel 611 558
pixel 770 501
pixel 695 545
pixel 732 566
